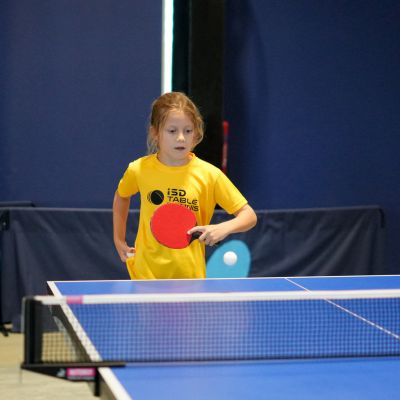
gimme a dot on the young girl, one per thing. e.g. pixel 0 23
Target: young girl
pixel 172 173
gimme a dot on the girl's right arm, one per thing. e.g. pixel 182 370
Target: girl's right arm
pixel 120 217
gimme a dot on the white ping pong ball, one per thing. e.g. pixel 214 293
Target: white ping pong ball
pixel 230 258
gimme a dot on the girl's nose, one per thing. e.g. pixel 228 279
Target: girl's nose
pixel 180 137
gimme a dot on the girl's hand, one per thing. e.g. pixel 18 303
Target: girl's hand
pixel 124 251
pixel 210 234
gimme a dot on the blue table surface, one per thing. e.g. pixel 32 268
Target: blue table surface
pixel 333 379
pixel 367 378
pixel 229 285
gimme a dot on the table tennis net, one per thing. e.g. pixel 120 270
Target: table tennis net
pixel 212 327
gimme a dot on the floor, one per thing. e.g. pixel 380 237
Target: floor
pixel 16 384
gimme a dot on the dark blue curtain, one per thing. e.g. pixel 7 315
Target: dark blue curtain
pixel 39 245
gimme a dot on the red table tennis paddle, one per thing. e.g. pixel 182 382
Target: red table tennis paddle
pixel 170 223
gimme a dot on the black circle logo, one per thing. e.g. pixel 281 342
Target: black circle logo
pixel 155 197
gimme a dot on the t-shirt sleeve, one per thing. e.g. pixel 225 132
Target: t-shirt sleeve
pixel 227 195
pixel 128 186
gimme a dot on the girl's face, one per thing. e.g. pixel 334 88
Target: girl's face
pixel 175 139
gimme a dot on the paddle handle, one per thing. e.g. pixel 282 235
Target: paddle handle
pixel 196 235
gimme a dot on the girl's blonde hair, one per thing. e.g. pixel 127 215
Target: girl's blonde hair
pixel 173 101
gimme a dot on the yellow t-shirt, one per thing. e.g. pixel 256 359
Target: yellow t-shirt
pixel 197 185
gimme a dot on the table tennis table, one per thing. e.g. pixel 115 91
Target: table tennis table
pixel 340 378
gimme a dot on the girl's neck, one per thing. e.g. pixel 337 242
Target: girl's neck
pixel 174 162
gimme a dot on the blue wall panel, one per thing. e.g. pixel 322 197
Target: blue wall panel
pixel 312 97
pixel 78 78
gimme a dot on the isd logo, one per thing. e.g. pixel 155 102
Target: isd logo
pixel 155 197
pixel 173 195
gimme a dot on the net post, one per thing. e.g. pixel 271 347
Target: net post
pixel 33 331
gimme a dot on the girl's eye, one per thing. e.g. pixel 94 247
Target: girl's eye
pixel 171 130
pixel 188 131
